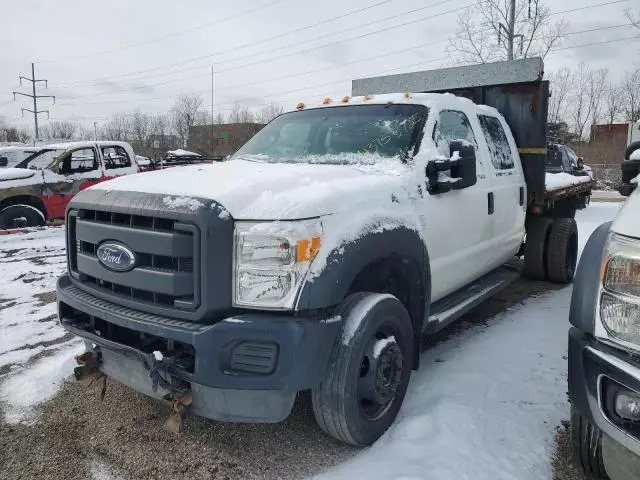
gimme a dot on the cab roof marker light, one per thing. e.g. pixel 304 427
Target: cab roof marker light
pixel 300 106
pixel 367 97
pixel 326 101
pixel 407 94
pixel 345 99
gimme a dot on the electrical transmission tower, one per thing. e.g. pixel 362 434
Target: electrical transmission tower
pixel 35 98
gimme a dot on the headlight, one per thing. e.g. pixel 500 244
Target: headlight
pixel 620 294
pixel 271 260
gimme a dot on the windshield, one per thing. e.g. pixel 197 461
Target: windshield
pixel 41 159
pixel 350 134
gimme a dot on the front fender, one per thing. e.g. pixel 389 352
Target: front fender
pixel 587 281
pixel 330 285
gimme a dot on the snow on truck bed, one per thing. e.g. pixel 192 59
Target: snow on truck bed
pixel 555 181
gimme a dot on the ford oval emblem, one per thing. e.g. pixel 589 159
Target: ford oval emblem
pixel 116 256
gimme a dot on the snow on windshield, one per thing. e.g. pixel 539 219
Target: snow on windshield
pixel 339 135
pixel 42 159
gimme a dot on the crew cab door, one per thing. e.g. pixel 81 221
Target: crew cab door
pixel 458 224
pixel 74 170
pixel 509 190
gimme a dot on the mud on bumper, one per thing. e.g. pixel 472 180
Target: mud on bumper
pixel 245 368
pixel 596 373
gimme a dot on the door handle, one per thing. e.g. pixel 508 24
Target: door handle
pixel 521 196
pixel 490 203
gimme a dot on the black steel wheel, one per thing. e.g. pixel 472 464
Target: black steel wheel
pixel 369 370
pixel 21 216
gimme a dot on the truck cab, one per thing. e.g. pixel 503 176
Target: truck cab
pixel 40 186
pixel 604 342
pixel 314 258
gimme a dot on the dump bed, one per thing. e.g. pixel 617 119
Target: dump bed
pixel 515 88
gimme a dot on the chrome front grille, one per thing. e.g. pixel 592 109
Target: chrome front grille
pixel 166 250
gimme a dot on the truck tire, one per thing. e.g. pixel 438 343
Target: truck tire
pixel 536 247
pixel 586 446
pixel 367 376
pixel 19 216
pixel 562 255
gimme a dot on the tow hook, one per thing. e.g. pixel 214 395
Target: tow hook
pixel 89 372
pixel 179 406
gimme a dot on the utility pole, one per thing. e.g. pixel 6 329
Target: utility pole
pixel 212 131
pixel 511 27
pixel 509 30
pixel 35 98
pixel 95 131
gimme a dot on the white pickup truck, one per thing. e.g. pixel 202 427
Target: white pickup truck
pixel 318 255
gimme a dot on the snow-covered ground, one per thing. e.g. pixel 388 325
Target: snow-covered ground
pixel 484 405
pixel 35 352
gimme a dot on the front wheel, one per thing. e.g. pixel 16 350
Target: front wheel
pixel 20 216
pixel 586 446
pixel 369 370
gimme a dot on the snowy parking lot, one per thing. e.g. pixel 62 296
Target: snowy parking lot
pixel 485 404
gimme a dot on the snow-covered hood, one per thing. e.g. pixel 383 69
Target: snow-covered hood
pixel 628 220
pixel 15 174
pixel 267 191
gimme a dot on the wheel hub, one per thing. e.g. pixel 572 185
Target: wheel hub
pixel 380 377
pixel 388 373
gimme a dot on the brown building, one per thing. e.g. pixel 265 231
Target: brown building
pixel 604 151
pixel 220 140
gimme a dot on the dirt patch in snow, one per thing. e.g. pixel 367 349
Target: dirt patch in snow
pixel 563 466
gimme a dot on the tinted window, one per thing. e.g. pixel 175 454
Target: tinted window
pixel 115 157
pixel 499 148
pixel 453 125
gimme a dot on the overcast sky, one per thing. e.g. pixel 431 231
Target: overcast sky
pixel 124 55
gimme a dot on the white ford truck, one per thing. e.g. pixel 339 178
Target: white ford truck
pixel 317 256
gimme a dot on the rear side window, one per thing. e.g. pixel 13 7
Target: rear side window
pixel 499 148
pixel 115 157
pixel 79 161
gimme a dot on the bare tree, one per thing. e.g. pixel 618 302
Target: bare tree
pixel 560 91
pixel 140 128
pixel 218 119
pixel 184 114
pixel 490 31
pixel 240 114
pixel 202 118
pixel 612 102
pixel 631 94
pixel 116 128
pixel 580 99
pixel 269 112
pixel 597 85
pixel 632 18
pixel 60 129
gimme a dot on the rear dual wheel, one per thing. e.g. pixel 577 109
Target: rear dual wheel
pixel 551 249
pixel 369 370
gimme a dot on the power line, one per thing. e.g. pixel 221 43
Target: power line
pixel 285 55
pixel 204 57
pixel 165 37
pixel 595 43
pixel 604 4
pixel 422 45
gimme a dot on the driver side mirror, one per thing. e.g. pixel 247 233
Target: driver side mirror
pixel 462 168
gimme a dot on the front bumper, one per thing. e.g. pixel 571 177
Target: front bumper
pixel 593 369
pixel 226 379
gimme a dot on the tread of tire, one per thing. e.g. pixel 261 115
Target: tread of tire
pixel 534 254
pixel 561 231
pixel 330 419
pixel 584 439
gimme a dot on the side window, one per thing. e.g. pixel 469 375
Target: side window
pixel 499 148
pixel 115 157
pixel 78 161
pixel 452 125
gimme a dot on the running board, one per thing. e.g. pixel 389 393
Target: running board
pixel 455 305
